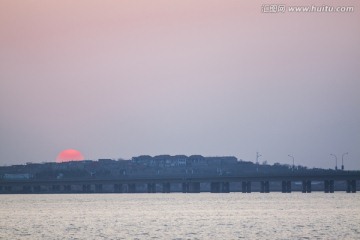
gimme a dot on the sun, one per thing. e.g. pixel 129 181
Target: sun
pixel 69 155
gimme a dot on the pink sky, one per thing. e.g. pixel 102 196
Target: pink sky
pixel 123 78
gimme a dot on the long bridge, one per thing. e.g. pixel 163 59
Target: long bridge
pixel 246 183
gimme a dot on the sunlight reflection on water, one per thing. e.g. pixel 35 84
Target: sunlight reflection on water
pixel 181 216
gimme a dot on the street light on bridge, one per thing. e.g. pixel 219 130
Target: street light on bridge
pixel 335 160
pixel 257 160
pixel 342 160
pixel 293 166
pixel 257 157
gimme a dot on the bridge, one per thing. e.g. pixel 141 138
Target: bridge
pixel 305 182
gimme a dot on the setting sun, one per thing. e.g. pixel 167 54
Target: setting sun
pixel 69 155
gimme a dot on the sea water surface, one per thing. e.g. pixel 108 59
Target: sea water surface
pixel 180 216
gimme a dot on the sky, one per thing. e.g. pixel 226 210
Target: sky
pixel 117 79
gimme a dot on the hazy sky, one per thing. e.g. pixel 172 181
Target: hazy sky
pixel 116 79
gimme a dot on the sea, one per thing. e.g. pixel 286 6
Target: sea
pixel 181 216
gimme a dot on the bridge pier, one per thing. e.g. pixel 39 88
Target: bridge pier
pixel 67 188
pixel 194 187
pixel 286 186
pixel 306 186
pixel 264 187
pixel 329 186
pixel 332 186
pixel 118 188
pixel 267 186
pixel 220 187
pixel 131 188
pixel 351 186
pixel 326 186
pixel 37 189
pixel 225 188
pixel 26 189
pixel 215 187
pixel 151 188
pixel 86 188
pixel 55 188
pixel 185 187
pixel 246 187
pixel 166 188
pixel 191 187
pixel 8 189
pixel 98 188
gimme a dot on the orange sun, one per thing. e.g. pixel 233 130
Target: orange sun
pixel 69 155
